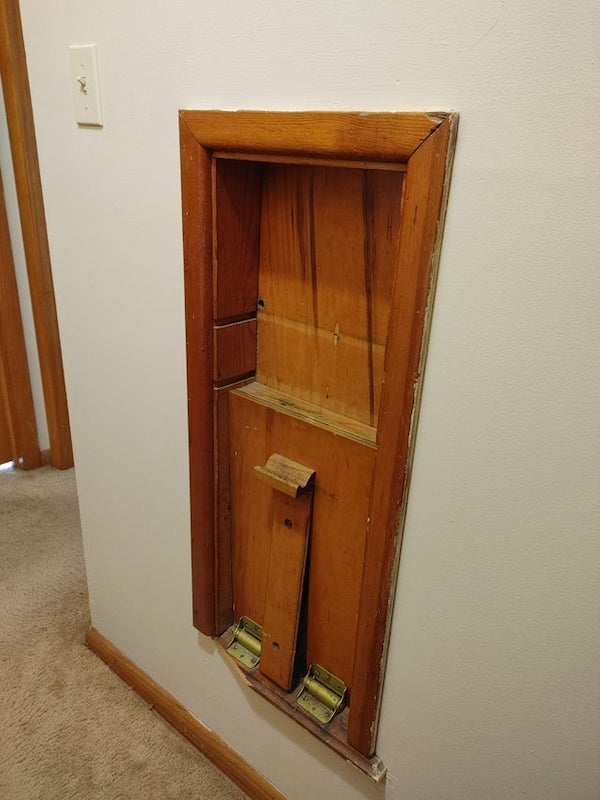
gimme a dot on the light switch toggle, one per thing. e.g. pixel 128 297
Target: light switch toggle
pixel 82 81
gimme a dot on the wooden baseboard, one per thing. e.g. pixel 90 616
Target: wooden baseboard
pixel 209 744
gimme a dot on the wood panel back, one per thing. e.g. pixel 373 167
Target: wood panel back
pixel 340 508
pixel 329 238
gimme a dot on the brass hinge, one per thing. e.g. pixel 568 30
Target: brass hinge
pixel 246 642
pixel 322 694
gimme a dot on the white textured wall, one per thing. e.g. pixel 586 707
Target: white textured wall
pixel 493 686
pixel 14 224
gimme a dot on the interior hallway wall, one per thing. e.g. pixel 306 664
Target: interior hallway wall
pixel 492 686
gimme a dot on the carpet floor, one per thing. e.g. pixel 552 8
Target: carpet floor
pixel 70 728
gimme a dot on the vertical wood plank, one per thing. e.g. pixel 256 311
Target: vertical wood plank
pixel 236 230
pixel 425 189
pixel 18 431
pixel 19 113
pixel 290 528
pixel 197 253
pixel 223 553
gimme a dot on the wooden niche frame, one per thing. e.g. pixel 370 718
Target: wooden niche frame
pixel 422 145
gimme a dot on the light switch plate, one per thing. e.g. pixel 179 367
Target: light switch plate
pixel 86 88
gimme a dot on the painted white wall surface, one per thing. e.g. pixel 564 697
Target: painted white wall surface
pixel 493 680
pixel 16 238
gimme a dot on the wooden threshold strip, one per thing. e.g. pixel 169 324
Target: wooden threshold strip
pixel 209 744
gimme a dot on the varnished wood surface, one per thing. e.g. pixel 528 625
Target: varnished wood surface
pixel 198 282
pixel 343 468
pixel 222 539
pixel 426 186
pixel 19 114
pixel 7 446
pixel 236 213
pixel 329 239
pixel 265 158
pixel 309 412
pixel 18 430
pixel 290 530
pixel 285 475
pixel 207 742
pixel 299 250
pixel 234 350
pixel 376 136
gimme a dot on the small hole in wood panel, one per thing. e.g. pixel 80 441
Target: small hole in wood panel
pixel 275 645
pixel 261 303
pixel 288 523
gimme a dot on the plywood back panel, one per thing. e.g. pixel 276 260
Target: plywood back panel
pixel 343 468
pixel 328 241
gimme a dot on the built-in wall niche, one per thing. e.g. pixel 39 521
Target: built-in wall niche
pixel 311 242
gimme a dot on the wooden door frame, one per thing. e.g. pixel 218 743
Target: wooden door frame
pixel 19 114
pixel 16 395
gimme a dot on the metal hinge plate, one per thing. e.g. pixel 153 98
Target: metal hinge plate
pixel 246 643
pixel 322 694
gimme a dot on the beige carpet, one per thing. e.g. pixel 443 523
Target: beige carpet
pixel 69 728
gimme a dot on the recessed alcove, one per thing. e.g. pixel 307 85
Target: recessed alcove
pixel 310 243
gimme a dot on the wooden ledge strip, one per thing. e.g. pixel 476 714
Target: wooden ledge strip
pixel 209 744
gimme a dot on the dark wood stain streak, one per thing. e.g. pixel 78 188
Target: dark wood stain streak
pixel 369 251
pixel 300 225
pixel 313 253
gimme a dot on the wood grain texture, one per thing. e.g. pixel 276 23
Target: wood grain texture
pixel 236 211
pixel 309 412
pixel 198 283
pixel 329 240
pixel 18 430
pixel 290 530
pixel 234 350
pixel 207 742
pixel 7 442
pixel 343 468
pixel 265 158
pixel 422 217
pixel 19 114
pixel 223 566
pixel 327 134
pixel 340 251
pixel 286 476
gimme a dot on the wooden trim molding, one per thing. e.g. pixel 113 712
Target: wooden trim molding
pixel 425 196
pixel 14 371
pixel 207 742
pixel 325 134
pixel 19 114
